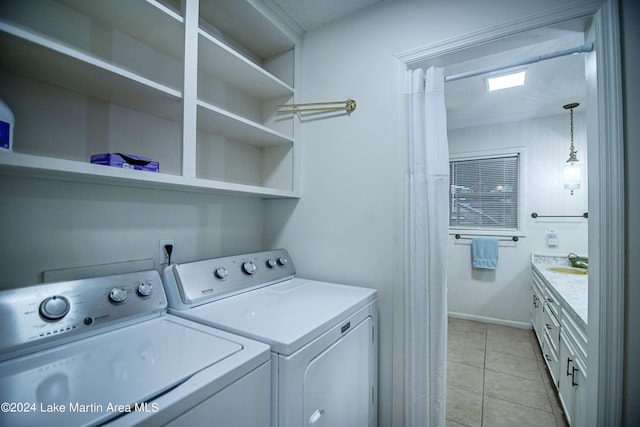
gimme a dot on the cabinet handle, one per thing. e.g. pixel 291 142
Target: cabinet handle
pixel 573 376
pixel 568 362
pixel 546 356
pixel 548 326
pixel 550 300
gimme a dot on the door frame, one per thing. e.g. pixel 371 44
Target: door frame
pixel 605 193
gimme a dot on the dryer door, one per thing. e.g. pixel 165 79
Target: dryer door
pixel 339 384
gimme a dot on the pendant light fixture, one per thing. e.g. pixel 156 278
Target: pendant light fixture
pixel 571 167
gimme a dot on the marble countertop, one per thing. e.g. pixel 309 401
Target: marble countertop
pixel 571 288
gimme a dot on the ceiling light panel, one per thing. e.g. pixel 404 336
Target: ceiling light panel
pixel 505 81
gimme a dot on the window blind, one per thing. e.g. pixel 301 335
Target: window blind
pixel 484 193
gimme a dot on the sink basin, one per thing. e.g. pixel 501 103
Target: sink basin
pixel 568 270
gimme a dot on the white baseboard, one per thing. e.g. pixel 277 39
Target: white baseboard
pixel 511 323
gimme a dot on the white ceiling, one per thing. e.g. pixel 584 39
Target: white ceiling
pixel 309 14
pixel 550 84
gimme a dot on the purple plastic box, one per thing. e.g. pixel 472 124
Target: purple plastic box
pixel 126 161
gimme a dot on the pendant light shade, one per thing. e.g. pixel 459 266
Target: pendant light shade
pixel 572 166
pixel 571 176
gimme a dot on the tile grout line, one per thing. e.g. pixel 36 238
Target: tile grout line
pixel 484 375
pixel 542 371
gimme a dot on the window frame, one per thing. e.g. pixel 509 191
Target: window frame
pixel 492 154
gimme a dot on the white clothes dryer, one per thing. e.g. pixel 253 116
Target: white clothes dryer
pixel 104 351
pixel 323 336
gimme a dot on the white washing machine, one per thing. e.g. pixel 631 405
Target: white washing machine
pixel 323 336
pixel 104 351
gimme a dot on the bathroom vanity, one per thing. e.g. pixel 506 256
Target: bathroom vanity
pixel 559 319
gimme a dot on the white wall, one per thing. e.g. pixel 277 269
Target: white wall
pixel 345 226
pixel 505 294
pixel 46 225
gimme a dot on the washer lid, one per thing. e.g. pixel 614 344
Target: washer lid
pixel 287 315
pixel 98 378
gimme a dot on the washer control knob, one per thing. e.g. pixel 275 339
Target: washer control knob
pixel 249 267
pixel 118 295
pixel 55 307
pixel 221 272
pixel 282 261
pixel 271 263
pixel 145 289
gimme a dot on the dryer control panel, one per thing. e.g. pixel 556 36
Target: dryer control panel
pixel 195 283
pixel 40 316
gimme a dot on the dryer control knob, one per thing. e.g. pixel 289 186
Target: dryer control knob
pixel 282 261
pixel 249 267
pixel 271 263
pixel 221 272
pixel 145 289
pixel 118 295
pixel 55 307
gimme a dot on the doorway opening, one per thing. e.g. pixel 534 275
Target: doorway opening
pixel 603 98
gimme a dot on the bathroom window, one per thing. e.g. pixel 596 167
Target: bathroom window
pixel 484 193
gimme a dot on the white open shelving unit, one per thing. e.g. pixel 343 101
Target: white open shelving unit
pixel 192 84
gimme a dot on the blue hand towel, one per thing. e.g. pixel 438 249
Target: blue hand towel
pixel 484 252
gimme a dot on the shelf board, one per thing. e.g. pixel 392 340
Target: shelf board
pixel 148 21
pixel 39 58
pixel 244 23
pixel 27 165
pixel 216 120
pixel 224 63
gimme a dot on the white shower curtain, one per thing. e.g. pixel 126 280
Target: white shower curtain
pixel 425 251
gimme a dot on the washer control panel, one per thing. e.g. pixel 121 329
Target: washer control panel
pixel 50 312
pixel 195 283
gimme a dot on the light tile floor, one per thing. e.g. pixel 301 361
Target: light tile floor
pixel 496 377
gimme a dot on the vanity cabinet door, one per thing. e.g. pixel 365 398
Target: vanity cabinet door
pixel 565 386
pixel 580 394
pixel 572 381
pixel 536 312
pixel 550 358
